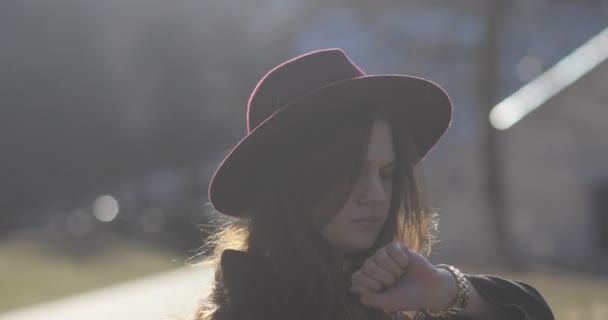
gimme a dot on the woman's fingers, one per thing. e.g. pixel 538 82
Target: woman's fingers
pixel 360 280
pixel 385 261
pixel 398 253
pixel 382 269
pixel 378 273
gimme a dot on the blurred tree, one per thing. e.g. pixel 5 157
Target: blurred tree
pixel 58 111
pixel 393 37
pixel 88 99
pixel 489 53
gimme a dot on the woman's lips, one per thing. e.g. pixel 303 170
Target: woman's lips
pixel 368 223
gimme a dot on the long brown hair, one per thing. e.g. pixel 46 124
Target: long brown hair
pixel 298 191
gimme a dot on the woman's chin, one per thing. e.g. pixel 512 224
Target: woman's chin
pixel 360 244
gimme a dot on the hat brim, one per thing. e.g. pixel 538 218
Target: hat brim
pixel 424 105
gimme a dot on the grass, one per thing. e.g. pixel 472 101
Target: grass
pixel 30 273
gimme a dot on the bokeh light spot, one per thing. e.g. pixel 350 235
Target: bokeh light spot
pixel 105 208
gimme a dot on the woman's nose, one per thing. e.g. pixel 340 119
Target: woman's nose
pixel 372 190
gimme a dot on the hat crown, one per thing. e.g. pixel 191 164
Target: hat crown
pixel 294 79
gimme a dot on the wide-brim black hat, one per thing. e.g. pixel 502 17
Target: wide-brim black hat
pixel 298 92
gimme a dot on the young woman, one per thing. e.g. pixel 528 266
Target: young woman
pixel 330 220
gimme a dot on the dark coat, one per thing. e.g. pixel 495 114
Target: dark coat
pixel 252 292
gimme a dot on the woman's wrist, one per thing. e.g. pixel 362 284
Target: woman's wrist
pixel 447 293
pixel 458 298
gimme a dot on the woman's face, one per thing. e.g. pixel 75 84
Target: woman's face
pixel 358 222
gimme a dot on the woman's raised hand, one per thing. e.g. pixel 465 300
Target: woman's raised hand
pixel 398 279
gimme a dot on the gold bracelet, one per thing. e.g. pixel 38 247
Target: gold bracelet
pixel 462 296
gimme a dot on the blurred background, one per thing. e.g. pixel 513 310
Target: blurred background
pixel 114 115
